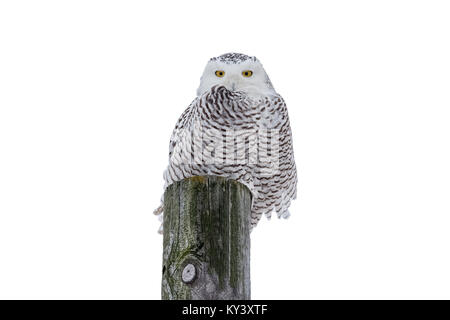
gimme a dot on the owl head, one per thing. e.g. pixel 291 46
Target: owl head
pixel 237 72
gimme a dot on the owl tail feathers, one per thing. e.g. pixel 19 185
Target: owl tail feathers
pixel 159 212
pixel 284 214
pixel 160 229
pixel 280 214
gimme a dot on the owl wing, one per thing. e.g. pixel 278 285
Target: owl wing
pixel 179 126
pixel 288 172
pixel 174 141
pixel 277 184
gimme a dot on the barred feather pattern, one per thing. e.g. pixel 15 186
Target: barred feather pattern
pixel 221 124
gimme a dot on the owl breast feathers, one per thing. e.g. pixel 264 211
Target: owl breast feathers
pixel 240 136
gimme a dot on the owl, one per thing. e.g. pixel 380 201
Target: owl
pixel 237 127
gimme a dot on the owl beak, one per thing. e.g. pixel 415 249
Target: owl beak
pixel 232 83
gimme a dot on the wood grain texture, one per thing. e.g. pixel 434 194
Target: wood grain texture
pixel 207 225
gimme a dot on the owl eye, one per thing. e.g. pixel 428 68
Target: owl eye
pixel 247 73
pixel 220 73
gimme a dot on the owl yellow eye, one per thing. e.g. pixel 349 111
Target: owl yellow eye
pixel 220 73
pixel 247 73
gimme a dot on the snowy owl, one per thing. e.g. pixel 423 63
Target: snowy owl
pixel 237 127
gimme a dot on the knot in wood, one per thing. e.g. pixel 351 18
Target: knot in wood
pixel 189 273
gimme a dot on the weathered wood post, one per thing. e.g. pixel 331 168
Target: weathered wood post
pixel 206 240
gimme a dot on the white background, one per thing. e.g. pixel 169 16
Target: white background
pixel 90 92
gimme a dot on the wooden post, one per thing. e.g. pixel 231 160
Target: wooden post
pixel 206 240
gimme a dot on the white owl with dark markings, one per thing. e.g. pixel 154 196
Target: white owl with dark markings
pixel 237 127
